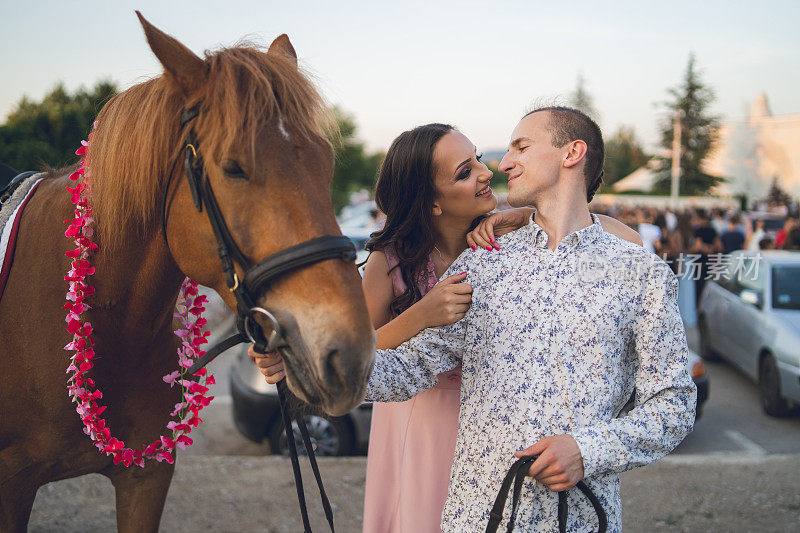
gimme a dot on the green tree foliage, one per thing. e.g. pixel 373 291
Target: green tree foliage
pixel 699 129
pixel 581 100
pixel 46 133
pixel 624 154
pixel 355 168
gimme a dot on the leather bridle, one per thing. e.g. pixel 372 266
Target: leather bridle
pixel 256 277
pixel 256 280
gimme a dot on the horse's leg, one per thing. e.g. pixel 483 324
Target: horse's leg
pixel 16 501
pixel 141 494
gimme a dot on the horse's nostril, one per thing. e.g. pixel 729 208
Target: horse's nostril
pixel 335 374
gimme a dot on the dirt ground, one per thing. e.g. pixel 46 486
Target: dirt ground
pixel 244 494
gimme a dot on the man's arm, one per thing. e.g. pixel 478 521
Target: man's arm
pixel 665 394
pixel 411 368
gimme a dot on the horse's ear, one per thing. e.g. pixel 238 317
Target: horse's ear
pixel 282 46
pixel 188 70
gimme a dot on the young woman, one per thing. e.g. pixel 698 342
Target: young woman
pixel 433 189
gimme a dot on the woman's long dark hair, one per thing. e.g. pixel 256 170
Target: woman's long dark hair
pixel 405 193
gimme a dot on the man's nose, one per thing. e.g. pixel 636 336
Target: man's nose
pixel 505 164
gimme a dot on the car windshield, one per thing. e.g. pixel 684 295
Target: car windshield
pixel 786 287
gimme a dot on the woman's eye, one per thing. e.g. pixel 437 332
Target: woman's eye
pixel 232 169
pixel 464 173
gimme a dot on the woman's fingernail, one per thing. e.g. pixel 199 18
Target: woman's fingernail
pixel 491 241
pixel 489 248
pixel 473 247
pixel 463 272
pixel 496 247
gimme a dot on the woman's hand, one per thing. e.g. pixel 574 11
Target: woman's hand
pixel 270 364
pixel 444 304
pixel 496 225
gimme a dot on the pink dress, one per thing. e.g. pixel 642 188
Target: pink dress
pixel 411 446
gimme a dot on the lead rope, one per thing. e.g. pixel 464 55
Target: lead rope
pixel 516 474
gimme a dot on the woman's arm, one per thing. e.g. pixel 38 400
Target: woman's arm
pixel 444 304
pixel 615 227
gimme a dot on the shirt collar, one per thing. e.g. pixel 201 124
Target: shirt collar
pixel 582 236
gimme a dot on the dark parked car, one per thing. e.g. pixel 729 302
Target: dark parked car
pixel 257 416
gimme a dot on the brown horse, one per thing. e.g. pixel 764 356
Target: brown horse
pixel 261 132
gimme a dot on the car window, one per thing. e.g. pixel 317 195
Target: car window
pixel 747 272
pixel 786 287
pixel 728 278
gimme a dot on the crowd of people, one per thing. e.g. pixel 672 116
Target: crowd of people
pixel 701 237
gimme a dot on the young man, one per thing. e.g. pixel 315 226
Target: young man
pixel 566 322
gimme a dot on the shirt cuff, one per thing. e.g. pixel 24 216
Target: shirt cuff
pixel 590 444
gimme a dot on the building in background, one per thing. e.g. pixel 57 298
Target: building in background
pixel 751 154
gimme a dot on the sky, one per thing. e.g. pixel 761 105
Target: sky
pixel 476 65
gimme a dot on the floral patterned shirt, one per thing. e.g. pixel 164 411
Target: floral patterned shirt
pixel 555 342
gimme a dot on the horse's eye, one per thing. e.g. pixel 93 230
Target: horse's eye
pixel 232 169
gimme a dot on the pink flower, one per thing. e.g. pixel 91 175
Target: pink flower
pixel 81 388
pixel 184 441
pixel 165 456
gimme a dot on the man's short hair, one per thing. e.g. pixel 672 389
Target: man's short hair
pixel 567 124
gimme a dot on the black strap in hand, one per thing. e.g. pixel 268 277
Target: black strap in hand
pixel 516 475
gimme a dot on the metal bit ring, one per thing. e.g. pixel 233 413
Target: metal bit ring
pixel 275 338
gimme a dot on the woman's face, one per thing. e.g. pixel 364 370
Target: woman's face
pixel 462 180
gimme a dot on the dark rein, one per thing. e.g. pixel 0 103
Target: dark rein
pixel 256 279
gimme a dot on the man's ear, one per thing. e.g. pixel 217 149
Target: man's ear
pixel 576 153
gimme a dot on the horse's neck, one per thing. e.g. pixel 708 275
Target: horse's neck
pixel 136 284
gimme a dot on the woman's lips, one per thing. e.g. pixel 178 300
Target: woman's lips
pixel 484 193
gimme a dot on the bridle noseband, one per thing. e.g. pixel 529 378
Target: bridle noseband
pixel 256 277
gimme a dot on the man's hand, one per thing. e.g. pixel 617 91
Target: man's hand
pixel 560 463
pixel 270 364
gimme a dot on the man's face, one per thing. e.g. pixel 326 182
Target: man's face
pixel 532 162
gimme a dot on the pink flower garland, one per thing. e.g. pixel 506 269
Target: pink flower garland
pixel 82 389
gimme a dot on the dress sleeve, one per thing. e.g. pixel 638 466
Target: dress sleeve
pixel 665 393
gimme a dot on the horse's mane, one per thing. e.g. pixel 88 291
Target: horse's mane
pixel 136 139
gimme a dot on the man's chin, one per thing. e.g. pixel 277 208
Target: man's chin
pixel 517 200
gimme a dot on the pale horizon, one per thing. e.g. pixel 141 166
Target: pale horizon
pixel 477 67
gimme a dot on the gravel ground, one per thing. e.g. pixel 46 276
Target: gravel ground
pixel 243 494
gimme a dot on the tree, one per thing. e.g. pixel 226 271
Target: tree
pixel 624 154
pixel 699 129
pixel 581 100
pixel 776 194
pixel 355 169
pixel 39 133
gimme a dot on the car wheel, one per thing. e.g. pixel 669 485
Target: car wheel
pixel 328 436
pixel 769 388
pixel 706 351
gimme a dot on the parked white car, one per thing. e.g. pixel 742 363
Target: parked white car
pixel 751 318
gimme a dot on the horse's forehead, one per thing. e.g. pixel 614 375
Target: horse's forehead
pixel 282 129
